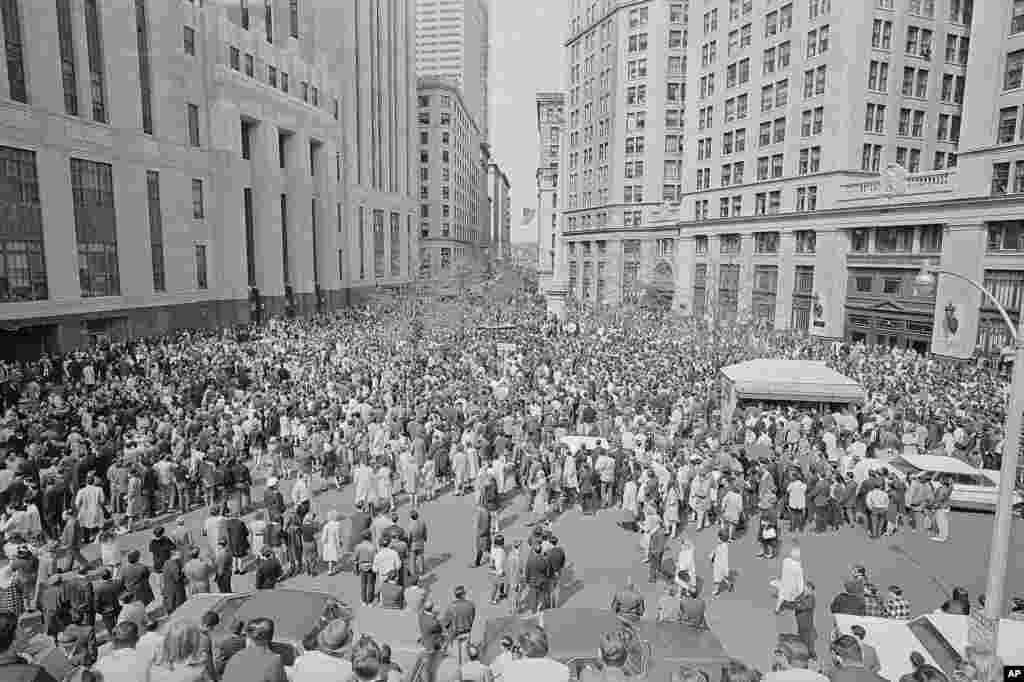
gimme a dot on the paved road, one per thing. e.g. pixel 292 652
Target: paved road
pixel 605 557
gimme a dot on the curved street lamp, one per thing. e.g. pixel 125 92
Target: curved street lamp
pixel 1002 530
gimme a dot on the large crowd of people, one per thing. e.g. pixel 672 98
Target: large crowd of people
pixel 408 403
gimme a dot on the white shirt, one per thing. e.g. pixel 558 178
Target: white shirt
pixel 498 560
pixel 797 494
pixel 794 675
pixel 300 491
pixel 535 670
pixel 124 665
pixel 386 561
pixel 316 665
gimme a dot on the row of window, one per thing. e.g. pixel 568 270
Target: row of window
pixel 309 94
pixel 245 18
pixel 765 203
pixel 923 239
pixel 915 82
pixel 14 49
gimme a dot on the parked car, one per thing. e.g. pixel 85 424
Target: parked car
pixel 941 638
pixel 973 489
pixel 574 636
pixel 297 614
pixel 577 443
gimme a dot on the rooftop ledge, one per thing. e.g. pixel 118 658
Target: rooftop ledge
pixel 895 184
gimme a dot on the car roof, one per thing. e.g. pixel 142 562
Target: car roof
pixel 939 464
pixel 576 633
pixel 399 628
pixel 295 612
pixel 678 642
pixel 894 640
pixel 572 632
pixel 198 604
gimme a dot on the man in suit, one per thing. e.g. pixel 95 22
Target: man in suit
pixel 482 526
pixel 174 583
pixel 391 596
pixel 694 609
pixel 656 553
pixel 458 620
pixel 629 603
pixel 223 567
pixel 53 603
pixel 273 501
pixel 107 593
pixel 198 571
pixel 79 595
pixel 556 560
pixel 226 645
pixel 135 577
pixel 431 631
pixel 417 534
pixel 71 539
pixel 269 571
pixel 536 574
pixel 257 662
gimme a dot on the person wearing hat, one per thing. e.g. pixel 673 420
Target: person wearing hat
pixel 223 566
pixel 268 571
pixel 54 606
pixel 327 655
pixel 135 576
pixel 106 594
pixel 273 501
pixel 613 652
pixel 431 630
pixel 791 662
pixel 174 593
pixel 851 600
pixel 391 594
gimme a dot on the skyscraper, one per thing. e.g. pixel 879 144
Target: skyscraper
pixel 623 150
pixel 550 129
pixel 234 168
pixel 453 42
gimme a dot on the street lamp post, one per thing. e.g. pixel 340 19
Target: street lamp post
pixel 1002 531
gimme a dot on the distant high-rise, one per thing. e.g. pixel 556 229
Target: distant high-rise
pixel 453 42
pixel 550 126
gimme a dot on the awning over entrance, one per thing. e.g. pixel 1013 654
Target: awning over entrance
pixel 792 380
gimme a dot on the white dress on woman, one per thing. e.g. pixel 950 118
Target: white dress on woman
pixel 330 541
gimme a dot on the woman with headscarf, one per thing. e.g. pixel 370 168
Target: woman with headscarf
pixel 790 583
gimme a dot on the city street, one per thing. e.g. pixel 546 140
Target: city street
pixel 604 557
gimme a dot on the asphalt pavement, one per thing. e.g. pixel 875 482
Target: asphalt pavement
pixel 604 557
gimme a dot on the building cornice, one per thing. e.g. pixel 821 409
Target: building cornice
pixel 621 5
pixel 814 216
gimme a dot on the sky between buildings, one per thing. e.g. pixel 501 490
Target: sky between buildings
pixel 527 59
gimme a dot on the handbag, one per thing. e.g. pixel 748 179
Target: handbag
pixel 769 533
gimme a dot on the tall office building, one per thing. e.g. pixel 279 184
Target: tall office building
pixel 626 87
pixel 453 42
pixel 824 166
pixel 499 189
pixel 452 179
pixel 550 131
pixel 210 178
